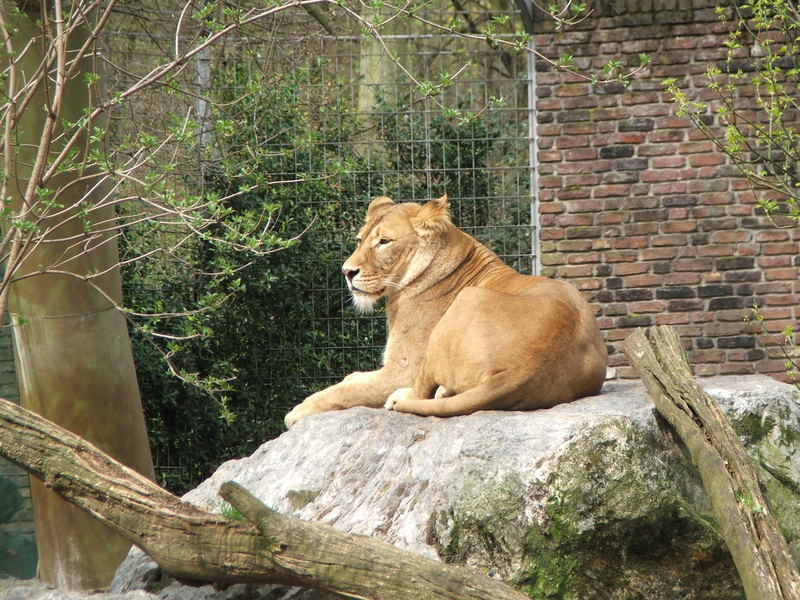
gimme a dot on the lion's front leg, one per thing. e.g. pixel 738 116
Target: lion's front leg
pixel 357 389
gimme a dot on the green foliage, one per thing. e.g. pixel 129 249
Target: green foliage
pixel 781 345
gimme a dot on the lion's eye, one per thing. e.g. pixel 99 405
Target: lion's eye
pixel 383 241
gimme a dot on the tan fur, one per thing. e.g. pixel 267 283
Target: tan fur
pixel 466 332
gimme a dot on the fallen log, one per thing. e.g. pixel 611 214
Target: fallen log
pixel 759 550
pixel 193 545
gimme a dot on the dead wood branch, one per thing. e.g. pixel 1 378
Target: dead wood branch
pixel 191 544
pixel 751 532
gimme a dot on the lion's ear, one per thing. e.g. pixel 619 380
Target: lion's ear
pixel 433 214
pixel 379 206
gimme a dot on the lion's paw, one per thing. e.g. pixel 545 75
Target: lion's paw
pixel 397 396
pixel 298 412
pixel 442 392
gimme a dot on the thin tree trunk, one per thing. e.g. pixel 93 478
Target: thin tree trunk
pixel 73 354
pixel 758 548
pixel 194 545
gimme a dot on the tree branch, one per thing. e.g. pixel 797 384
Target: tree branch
pixel 758 548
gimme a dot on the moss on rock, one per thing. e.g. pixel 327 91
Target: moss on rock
pixel 612 523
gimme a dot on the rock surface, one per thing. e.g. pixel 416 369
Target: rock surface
pixel 592 500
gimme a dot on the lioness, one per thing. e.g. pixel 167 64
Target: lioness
pixel 466 332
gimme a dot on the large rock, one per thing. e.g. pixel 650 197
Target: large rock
pixel 591 500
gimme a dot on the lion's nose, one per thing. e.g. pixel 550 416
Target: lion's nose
pixel 350 273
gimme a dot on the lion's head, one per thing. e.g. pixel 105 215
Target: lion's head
pixel 395 245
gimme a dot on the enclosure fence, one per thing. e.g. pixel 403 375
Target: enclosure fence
pixel 356 101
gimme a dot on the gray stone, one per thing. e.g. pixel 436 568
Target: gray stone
pixel 31 589
pixel 591 500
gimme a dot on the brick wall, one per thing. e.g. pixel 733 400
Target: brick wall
pixel 636 207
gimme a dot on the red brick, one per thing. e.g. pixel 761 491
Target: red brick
pixel 655 175
pixel 652 110
pixel 736 368
pixel 571 168
pixel 679 226
pixel 587 284
pixel 790 273
pixel 776 313
pixel 551 181
pixel 731 236
pixel 574 193
pixel 642 280
pixel 580 154
pixel 628 137
pixel 604 191
pixel 672 318
pixel 715 250
pixel 572 89
pixel 775 261
pixel 633 268
pixel 665 253
pixel 621 256
pixel 705 160
pixel 604 323
pixel 781 299
pixel 648 306
pixel 547 220
pixel 706 356
pixel 669 162
pixel 692 264
pixel 608 218
pixel 670 240
pixel 549 156
pixel 778 326
pixel 703 211
pixel 565 220
pixel 661 136
pixel 772 235
pixel 787 248
pixel 577 141
pixel 665 189
pixel 581 180
pixel 601 244
pixel 740 210
pixel 574 245
pixel 696 147
pixel 551 207
pixel 584 257
pixel 705 370
pixel 673 123
pixel 629 242
pixel 574 271
pixel 581 206
pixel 774 287
pixel 551 234
pixel 709 185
